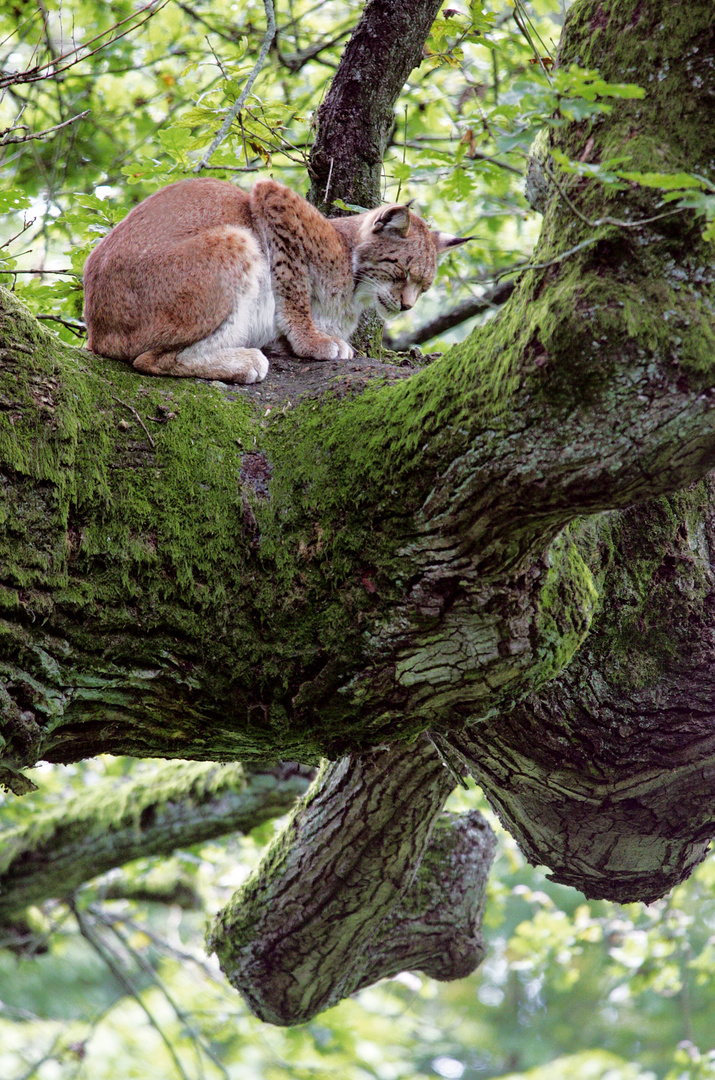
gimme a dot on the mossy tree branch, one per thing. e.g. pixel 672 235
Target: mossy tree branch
pixel 349 571
pixel 115 822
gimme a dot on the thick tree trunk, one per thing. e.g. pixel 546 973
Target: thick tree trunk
pixel 214 575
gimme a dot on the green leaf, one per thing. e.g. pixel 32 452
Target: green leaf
pixel 664 181
pixel 12 201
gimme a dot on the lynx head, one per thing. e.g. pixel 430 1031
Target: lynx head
pixel 395 258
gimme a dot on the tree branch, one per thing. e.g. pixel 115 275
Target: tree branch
pixel 177 805
pixel 7 136
pixel 467 309
pixel 320 918
pixel 355 119
pixel 241 100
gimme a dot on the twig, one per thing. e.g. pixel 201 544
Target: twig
pixel 238 105
pixel 519 267
pixel 183 1017
pixel 26 225
pixel 330 176
pixel 604 220
pixel 47 1056
pixel 77 327
pixel 37 74
pixel 133 410
pixel 233 168
pixel 160 942
pixel 466 309
pixel 72 273
pixel 473 155
pixel 444 754
pixel 6 140
pixel 123 978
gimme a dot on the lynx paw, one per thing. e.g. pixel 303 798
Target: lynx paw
pixel 253 367
pixel 328 348
pixel 226 365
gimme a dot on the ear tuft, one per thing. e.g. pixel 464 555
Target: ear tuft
pixel 445 242
pixel 393 219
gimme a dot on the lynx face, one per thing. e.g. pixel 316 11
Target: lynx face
pixel 397 260
pixel 391 280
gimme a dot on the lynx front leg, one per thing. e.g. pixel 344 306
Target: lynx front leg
pixel 307 259
pixel 294 318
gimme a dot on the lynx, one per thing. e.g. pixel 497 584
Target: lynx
pixel 201 276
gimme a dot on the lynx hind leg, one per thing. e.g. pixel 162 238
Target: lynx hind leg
pixel 228 365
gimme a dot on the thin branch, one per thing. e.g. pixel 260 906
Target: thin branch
pixel 458 770
pixel 501 292
pixel 416 143
pixel 76 327
pixel 234 168
pixel 238 105
pixel 26 225
pixel 47 1056
pixel 37 74
pixel 467 309
pixel 604 220
pixel 136 414
pixel 294 62
pixel 165 947
pixel 122 978
pixel 147 968
pixel 70 272
pixel 6 140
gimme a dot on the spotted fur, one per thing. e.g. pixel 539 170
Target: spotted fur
pixel 201 276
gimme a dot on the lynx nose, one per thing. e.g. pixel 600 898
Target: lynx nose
pixel 409 297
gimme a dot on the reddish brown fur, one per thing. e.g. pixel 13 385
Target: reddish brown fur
pixel 200 276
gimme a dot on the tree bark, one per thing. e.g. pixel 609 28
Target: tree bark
pixel 356 118
pixel 322 915
pixel 194 572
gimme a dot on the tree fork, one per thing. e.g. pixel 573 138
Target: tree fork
pixel 320 918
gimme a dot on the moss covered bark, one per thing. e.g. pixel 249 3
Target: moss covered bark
pixel 187 572
pixel 114 823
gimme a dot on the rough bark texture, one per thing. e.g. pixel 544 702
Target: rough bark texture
pixel 356 119
pixel 188 571
pixel 316 922
pixel 607 774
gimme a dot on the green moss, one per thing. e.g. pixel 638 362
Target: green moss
pixel 132 535
pixel 566 604
pixel 651 562
pixel 652 44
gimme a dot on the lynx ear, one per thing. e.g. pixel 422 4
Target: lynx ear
pixel 445 242
pixel 393 219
